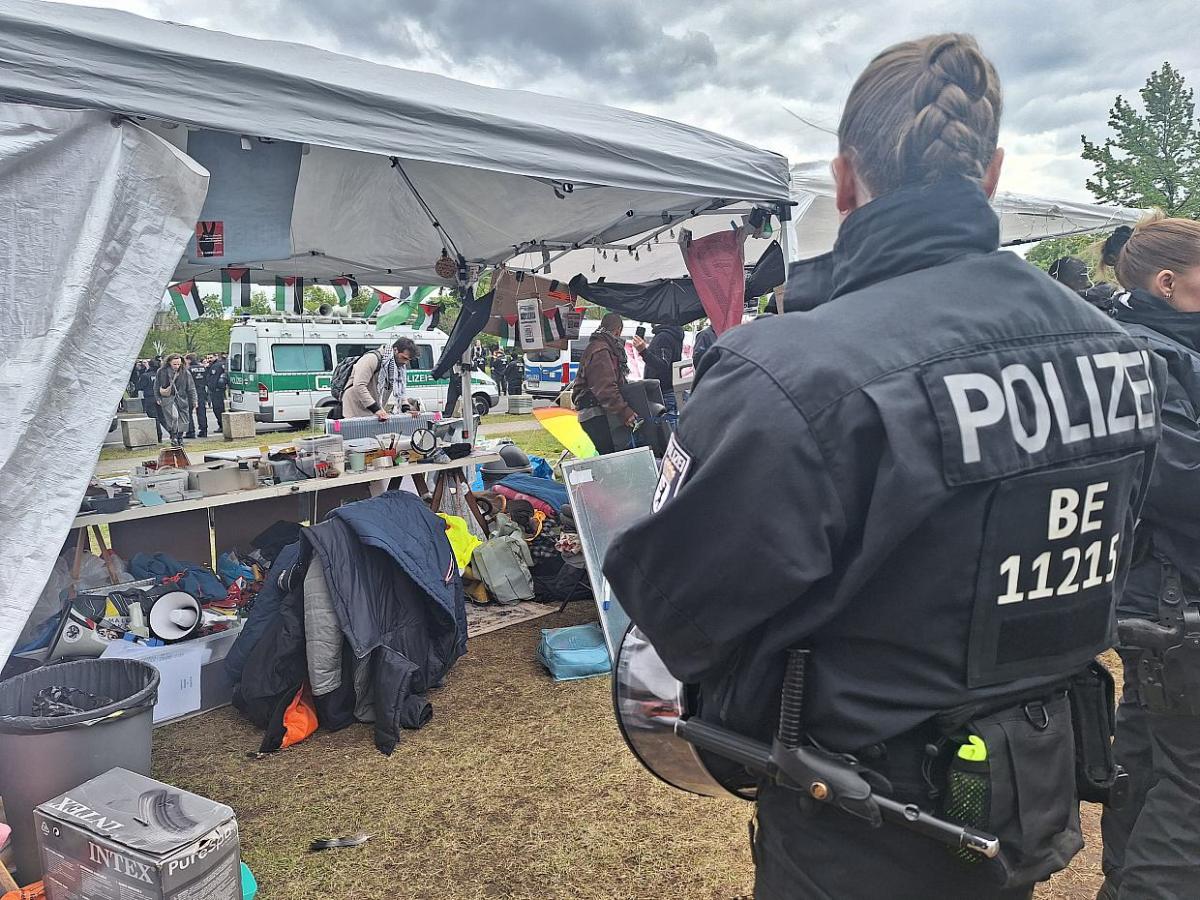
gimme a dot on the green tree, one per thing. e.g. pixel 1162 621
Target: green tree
pixel 1084 246
pixel 1154 160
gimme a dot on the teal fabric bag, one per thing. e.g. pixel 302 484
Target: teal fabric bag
pixel 575 652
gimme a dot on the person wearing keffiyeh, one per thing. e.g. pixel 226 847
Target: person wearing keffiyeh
pixel 377 376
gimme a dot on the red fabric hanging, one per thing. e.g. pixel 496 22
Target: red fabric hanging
pixel 717 266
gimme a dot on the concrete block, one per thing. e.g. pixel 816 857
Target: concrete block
pixel 138 432
pixel 132 405
pixel 520 404
pixel 235 425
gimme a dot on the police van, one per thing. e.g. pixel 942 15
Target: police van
pixel 548 372
pixel 280 367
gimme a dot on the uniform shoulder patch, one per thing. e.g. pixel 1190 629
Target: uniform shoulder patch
pixel 675 464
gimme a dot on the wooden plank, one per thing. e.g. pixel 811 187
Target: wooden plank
pixel 277 490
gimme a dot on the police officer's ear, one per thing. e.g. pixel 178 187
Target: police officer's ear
pixel 991 177
pixel 849 191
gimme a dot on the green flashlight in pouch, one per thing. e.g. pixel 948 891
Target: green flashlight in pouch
pixel 967 793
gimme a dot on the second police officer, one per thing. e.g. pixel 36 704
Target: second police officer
pixel 930 482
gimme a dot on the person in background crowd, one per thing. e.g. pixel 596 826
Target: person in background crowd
pixel 176 394
pixel 1073 272
pixel 135 377
pixel 498 365
pixel 478 357
pixel 200 418
pixel 603 371
pixel 377 376
pixel 514 374
pixel 217 379
pixel 660 355
pixel 908 465
pixel 704 340
pixel 148 389
pixel 1152 844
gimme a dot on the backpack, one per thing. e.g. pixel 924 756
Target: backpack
pixel 344 372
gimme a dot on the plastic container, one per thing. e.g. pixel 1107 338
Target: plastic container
pixel 41 757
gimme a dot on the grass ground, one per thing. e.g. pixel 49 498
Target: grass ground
pixel 518 788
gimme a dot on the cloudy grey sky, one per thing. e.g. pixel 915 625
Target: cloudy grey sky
pixel 734 66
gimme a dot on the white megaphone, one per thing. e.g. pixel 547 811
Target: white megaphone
pixel 175 616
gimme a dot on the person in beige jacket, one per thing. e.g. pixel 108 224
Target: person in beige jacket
pixel 369 388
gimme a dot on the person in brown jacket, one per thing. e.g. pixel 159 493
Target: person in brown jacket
pixel 597 395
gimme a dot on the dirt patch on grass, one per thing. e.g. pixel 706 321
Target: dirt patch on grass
pixel 518 788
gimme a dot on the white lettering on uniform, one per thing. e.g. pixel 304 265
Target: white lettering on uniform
pixel 1093 394
pixel 1069 433
pixel 981 401
pixel 971 420
pixel 1140 387
pixel 1063 518
pixel 1116 424
pixel 1034 442
pixel 1092 504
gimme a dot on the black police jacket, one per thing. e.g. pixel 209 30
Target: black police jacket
pixel 200 377
pixel 1170 524
pixel 930 481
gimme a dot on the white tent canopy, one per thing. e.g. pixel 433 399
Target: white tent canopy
pixel 381 151
pixel 815 221
pixel 319 166
pixel 1023 218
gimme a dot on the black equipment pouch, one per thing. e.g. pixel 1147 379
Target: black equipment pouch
pixel 1093 713
pixel 1167 650
pixel 1030 802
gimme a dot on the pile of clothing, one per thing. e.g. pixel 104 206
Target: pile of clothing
pixel 532 552
pixel 356 622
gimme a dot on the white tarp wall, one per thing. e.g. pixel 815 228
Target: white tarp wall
pixel 93 218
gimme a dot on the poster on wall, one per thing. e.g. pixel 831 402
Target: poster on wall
pixel 572 319
pixel 529 324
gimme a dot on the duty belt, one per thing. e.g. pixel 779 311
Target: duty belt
pixel 1168 651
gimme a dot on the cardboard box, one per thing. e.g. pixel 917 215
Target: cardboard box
pixel 126 836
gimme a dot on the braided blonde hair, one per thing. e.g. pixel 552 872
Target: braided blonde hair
pixel 922 110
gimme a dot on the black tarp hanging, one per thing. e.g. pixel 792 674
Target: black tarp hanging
pixel 471 321
pixel 674 301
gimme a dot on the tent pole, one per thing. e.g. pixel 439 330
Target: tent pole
pixel 468 402
pixel 786 223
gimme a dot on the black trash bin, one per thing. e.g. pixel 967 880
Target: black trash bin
pixel 42 757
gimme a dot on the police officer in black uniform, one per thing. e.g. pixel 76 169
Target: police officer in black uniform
pixel 929 482
pixel 1152 843
pixel 200 417
pixel 216 380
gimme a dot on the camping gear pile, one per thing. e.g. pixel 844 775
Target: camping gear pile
pixel 528 519
pixel 152 601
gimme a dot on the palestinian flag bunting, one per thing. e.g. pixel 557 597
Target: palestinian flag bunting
pixel 345 288
pixel 186 297
pixel 428 316
pixel 235 285
pixel 554 328
pixel 289 295
pixel 401 312
pixel 508 331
